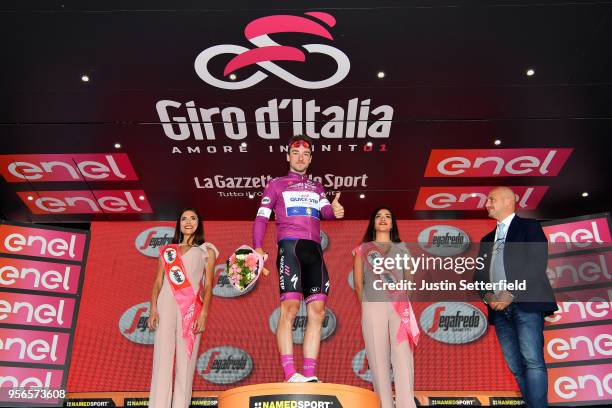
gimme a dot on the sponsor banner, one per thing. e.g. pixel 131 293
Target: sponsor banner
pixel 579 235
pixel 44 243
pixel 38 347
pixel 41 276
pixel 496 162
pixel 443 240
pixel 470 198
pixel 19 168
pixel 204 402
pixel 244 323
pixel 133 324
pixel 224 365
pixel 33 346
pixel 301 319
pixel 580 312
pixel 294 401
pixel 506 402
pixel 580 270
pixel 89 402
pixel 578 344
pixel 35 310
pixel 257 183
pixel 20 377
pixel 591 383
pixel 150 240
pixel 86 202
pixel 136 402
pixel 453 322
pixel 454 401
pixel 597 294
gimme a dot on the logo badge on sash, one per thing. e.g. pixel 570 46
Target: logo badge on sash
pixel 169 255
pixel 176 275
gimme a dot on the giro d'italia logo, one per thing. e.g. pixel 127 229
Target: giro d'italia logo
pixel 266 51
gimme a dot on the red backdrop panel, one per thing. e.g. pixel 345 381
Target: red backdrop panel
pixel 118 277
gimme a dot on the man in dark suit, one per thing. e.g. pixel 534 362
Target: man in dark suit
pixel 517 250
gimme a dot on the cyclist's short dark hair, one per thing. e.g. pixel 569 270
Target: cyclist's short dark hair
pixel 296 138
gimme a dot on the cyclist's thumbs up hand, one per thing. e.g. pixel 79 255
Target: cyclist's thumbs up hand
pixel 337 207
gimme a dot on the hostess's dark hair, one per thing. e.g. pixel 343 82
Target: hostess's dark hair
pixel 198 235
pixel 370 234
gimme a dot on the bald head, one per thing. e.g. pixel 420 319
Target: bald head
pixel 501 202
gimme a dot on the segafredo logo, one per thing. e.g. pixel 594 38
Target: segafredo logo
pixel 133 324
pixel 267 50
pixel 176 275
pixel 324 240
pixel 150 240
pixel 443 240
pixel 372 256
pixel 224 365
pixel 223 287
pixel 299 324
pixel 169 255
pixel 453 322
pixel 361 368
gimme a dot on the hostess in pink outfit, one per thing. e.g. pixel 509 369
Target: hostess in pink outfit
pixel 169 350
pixel 382 327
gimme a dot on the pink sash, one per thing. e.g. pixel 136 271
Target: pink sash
pixel 188 301
pixel 409 329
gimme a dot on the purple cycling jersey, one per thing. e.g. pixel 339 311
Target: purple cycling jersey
pixel 298 204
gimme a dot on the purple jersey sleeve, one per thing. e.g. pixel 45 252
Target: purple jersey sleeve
pixel 325 208
pixel 268 201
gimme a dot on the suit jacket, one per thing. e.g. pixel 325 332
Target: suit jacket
pixel 525 258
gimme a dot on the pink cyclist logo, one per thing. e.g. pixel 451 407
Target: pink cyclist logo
pixel 257 33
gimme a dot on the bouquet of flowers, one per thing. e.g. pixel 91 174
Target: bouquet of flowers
pixel 244 267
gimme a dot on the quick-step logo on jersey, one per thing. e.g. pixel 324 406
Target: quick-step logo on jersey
pixel 303 203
